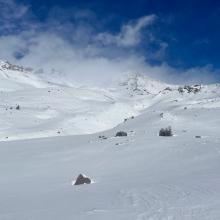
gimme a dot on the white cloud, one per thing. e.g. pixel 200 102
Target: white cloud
pixel 12 15
pixel 130 34
pixel 11 10
pixel 76 49
pixel 51 51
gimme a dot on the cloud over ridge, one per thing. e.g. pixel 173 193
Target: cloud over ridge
pixel 83 52
pixel 130 34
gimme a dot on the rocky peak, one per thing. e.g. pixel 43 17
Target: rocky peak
pixel 6 65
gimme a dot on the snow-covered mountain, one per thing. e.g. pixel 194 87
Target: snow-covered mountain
pixel 48 108
pixel 139 176
pixel 13 77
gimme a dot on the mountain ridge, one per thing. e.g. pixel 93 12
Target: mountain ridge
pixel 49 109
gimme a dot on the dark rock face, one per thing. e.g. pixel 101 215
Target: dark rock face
pixel 82 180
pixel 10 66
pixel 190 89
pixel 121 134
pixel 168 89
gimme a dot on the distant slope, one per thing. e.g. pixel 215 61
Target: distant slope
pixel 51 109
pixel 14 77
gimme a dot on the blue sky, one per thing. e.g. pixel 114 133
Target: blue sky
pixel 167 39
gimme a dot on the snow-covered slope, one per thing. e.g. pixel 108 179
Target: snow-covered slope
pixel 47 108
pixel 141 176
pixel 13 77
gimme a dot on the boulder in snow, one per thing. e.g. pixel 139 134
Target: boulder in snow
pixel 121 134
pixel 81 179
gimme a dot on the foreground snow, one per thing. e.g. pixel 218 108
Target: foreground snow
pixel 141 176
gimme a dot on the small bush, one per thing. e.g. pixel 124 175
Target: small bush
pixel 102 137
pixel 121 134
pixel 166 132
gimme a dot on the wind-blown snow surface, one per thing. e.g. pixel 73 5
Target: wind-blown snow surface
pixel 141 176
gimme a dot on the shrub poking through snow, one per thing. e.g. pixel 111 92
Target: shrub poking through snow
pixel 166 132
pixel 17 107
pixel 121 134
pixel 102 137
pixel 126 119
